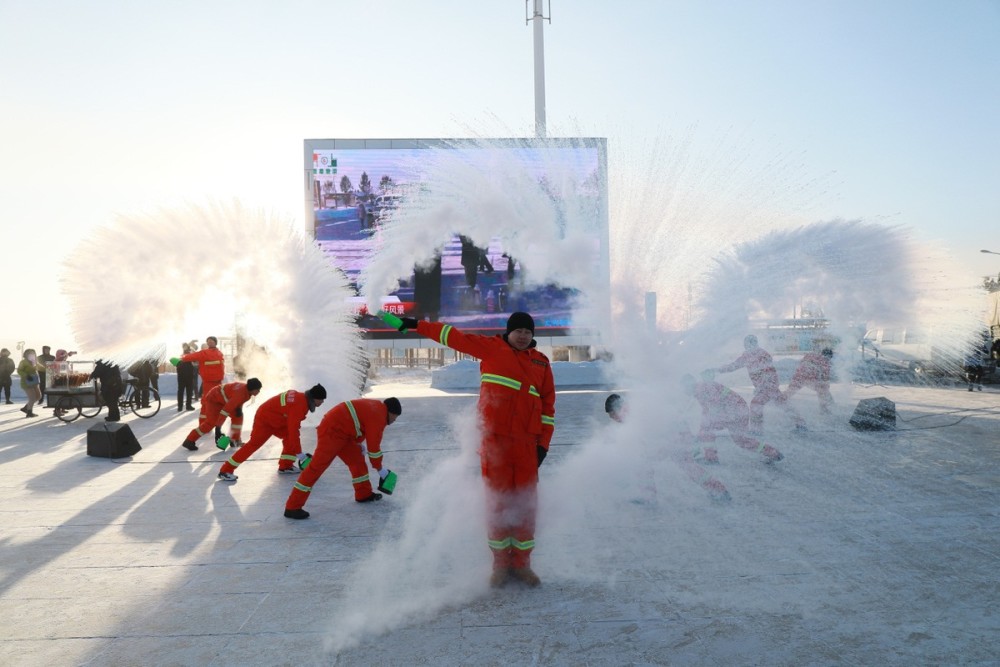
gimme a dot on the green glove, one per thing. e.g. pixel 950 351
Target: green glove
pixel 391 320
pixel 174 361
pixel 222 443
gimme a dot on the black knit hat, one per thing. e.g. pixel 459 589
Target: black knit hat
pixel 253 384
pixel 613 403
pixel 393 405
pixel 520 320
pixel 317 392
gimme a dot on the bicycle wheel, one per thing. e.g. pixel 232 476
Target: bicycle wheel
pixel 68 408
pixel 148 410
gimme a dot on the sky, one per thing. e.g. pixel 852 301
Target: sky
pixel 885 111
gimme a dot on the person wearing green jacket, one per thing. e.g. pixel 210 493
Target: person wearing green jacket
pixel 28 371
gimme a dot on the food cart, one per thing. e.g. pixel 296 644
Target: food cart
pixel 70 378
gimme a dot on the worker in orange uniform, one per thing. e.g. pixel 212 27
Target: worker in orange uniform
pixel 517 401
pixel 723 408
pixel 279 416
pixel 211 365
pixel 814 372
pixel 339 435
pixel 764 376
pixel 222 403
pixel 617 410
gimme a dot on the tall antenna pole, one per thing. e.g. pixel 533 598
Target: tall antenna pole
pixel 537 15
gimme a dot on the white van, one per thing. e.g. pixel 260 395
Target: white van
pixel 913 349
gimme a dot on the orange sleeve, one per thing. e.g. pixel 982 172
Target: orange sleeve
pixel 472 344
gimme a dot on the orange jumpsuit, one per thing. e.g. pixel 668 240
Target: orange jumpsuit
pixel 723 408
pixel 764 376
pixel 813 371
pixel 517 400
pixel 211 367
pixel 224 402
pixel 279 416
pixel 339 435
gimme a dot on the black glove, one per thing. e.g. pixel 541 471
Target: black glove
pixel 542 453
pixel 239 412
pixel 408 323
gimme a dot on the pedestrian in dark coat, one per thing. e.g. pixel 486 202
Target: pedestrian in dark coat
pixel 111 386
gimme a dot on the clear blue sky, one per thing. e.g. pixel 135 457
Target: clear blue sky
pixel 117 107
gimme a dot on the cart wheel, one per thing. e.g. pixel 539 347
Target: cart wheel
pixel 92 411
pixel 149 410
pixel 68 408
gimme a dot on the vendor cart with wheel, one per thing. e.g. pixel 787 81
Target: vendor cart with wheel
pixel 70 390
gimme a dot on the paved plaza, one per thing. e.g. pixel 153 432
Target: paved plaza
pixel 860 548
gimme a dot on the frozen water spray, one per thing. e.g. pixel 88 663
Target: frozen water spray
pixel 144 282
pixel 543 210
pixel 724 242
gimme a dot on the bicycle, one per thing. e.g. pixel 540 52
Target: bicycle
pixel 70 407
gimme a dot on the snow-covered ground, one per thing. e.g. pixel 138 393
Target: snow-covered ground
pixel 876 548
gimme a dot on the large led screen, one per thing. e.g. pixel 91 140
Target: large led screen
pixel 356 189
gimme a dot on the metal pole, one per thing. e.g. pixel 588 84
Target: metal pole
pixel 538 17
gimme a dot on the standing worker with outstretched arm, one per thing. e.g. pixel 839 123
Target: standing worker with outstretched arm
pixel 517 400
pixel 211 364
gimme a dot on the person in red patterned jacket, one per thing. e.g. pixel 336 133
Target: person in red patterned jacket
pixel 222 403
pixel 339 435
pixel 517 401
pixel 279 416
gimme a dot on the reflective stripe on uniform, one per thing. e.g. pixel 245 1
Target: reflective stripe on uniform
pixel 500 544
pixel 550 421
pixel 211 363
pixel 225 399
pixel 358 480
pixel 443 336
pixel 522 546
pixel 376 455
pixel 490 378
pixel 510 383
pixel 283 394
pixel 289 457
pixel 233 462
pixel 354 416
pixel 302 487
